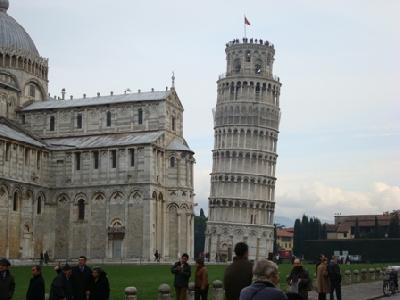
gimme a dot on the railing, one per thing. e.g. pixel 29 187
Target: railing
pixel 224 75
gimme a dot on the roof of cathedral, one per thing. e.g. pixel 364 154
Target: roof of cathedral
pixel 12 35
pixel 10 130
pixel 93 101
pixel 178 145
pixel 103 140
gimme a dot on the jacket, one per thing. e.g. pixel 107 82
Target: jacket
pixel 61 288
pixel 237 276
pixel 334 274
pixel 201 278
pixel 100 289
pixel 81 281
pixel 36 288
pixel 323 284
pixel 7 285
pixel 182 274
pixel 262 291
pixel 302 274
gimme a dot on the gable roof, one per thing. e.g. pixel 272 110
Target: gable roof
pixel 178 145
pixel 94 101
pixel 103 140
pixel 12 131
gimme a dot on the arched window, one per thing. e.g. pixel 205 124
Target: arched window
pixel 248 55
pixel 52 123
pixel 39 205
pixel 81 209
pixel 172 162
pixel 32 90
pixel 173 123
pixel 258 67
pixel 79 121
pixel 108 118
pixel 140 116
pixel 236 65
pixel 15 201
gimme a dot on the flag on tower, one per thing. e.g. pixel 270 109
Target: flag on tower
pixel 246 22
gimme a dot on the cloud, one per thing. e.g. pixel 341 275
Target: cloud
pixel 323 201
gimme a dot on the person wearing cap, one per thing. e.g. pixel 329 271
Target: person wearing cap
pixel 81 279
pixel 61 287
pixel 7 282
pixel 100 289
pixel 36 285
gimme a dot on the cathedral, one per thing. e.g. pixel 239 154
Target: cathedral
pixel 246 127
pixel 108 177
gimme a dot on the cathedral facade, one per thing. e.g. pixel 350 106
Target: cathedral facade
pixel 106 177
pixel 246 124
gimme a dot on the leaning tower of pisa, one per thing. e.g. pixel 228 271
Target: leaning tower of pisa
pixel 246 123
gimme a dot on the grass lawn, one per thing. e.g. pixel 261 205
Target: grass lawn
pixel 146 278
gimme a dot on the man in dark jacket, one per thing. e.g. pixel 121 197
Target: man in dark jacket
pixel 61 287
pixel 335 278
pixel 100 289
pixel 7 282
pixel 81 279
pixel 182 272
pixel 238 275
pixel 36 285
pixel 299 278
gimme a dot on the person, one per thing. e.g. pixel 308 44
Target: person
pixel 100 289
pixel 36 285
pixel 265 280
pixel 321 257
pixel 335 279
pixel 182 272
pixel 46 257
pixel 156 255
pixel 81 279
pixel 61 287
pixel 239 273
pixel 7 282
pixel 323 279
pixel 201 280
pixel 299 278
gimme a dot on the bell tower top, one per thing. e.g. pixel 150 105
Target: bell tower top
pixel 249 57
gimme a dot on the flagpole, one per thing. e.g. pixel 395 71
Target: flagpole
pixel 244 24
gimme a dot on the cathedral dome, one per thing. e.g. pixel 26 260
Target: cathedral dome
pixel 12 35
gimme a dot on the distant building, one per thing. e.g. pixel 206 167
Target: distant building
pixel 284 238
pixel 345 226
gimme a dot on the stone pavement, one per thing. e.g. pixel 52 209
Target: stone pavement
pixel 359 291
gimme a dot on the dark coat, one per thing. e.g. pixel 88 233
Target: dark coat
pixel 182 274
pixel 81 282
pixel 36 288
pixel 237 276
pixel 61 288
pixel 299 273
pixel 262 291
pixel 100 289
pixel 334 274
pixel 7 285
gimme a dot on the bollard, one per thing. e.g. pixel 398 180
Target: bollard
pixel 371 274
pixel 356 274
pixel 377 273
pixel 218 290
pixel 363 274
pixel 131 293
pixel 164 292
pixel 347 277
pixel 190 291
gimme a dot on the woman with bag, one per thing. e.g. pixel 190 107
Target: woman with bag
pixel 298 281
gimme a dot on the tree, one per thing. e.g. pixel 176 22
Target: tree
pixel 297 238
pixel 200 225
pixel 394 230
pixel 356 230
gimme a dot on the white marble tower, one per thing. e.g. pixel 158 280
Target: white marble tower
pixel 246 123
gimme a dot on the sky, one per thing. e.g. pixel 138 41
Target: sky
pixel 339 140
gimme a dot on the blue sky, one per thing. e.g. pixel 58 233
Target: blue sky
pixel 338 61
